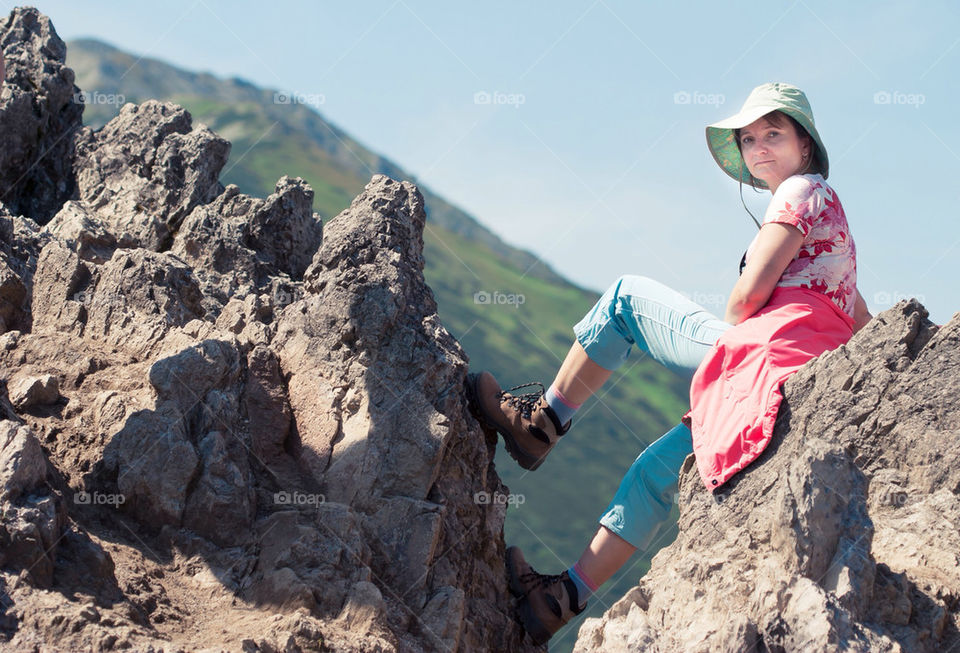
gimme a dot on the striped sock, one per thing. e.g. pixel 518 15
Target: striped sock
pixel 585 586
pixel 560 405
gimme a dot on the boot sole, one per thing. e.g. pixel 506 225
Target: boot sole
pixel 524 459
pixel 532 624
pixel 513 581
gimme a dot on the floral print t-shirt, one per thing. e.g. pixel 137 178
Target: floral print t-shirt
pixel 827 260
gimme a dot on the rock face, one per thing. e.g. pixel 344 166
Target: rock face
pixel 219 428
pixel 844 534
pixel 40 112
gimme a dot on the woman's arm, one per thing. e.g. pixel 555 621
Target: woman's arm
pixel 861 314
pixel 776 246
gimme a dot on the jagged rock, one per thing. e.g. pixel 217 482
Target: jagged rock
pixel 21 241
pixel 844 534
pixel 374 383
pixel 29 391
pixel 74 227
pixel 59 302
pixel 39 114
pixel 127 312
pixel 146 170
pixel 182 463
pixel 238 243
pixel 33 515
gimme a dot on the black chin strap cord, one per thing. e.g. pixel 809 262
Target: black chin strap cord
pixel 744 203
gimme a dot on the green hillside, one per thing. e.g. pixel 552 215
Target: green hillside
pixel 518 341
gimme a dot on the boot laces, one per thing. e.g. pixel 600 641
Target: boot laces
pixel 539 580
pixel 525 402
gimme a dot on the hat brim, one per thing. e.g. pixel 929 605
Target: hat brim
pixel 723 144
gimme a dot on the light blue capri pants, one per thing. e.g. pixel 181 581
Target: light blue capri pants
pixel 675 332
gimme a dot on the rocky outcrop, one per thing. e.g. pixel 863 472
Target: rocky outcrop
pixel 845 534
pixel 40 112
pixel 222 429
pixel 146 170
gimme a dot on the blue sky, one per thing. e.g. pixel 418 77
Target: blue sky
pixel 590 151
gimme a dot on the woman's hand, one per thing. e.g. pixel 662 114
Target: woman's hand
pixel 861 314
pixel 775 247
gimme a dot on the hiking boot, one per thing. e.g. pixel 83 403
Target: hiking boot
pixel 548 602
pixel 529 427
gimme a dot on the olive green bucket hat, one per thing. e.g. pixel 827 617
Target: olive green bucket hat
pixel 773 96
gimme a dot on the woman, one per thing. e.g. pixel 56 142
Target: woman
pixel 796 298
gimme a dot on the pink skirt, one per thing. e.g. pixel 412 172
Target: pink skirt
pixel 736 391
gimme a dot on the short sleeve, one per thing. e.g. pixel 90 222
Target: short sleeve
pixel 796 203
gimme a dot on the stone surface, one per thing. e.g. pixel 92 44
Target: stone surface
pixel 33 514
pixel 146 170
pixel 844 534
pixel 241 433
pixel 39 115
pixel 29 391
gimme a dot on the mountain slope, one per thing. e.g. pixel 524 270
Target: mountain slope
pixel 520 340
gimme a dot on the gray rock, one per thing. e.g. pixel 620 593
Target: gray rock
pixel 843 534
pixel 266 418
pixel 32 514
pixel 39 114
pixel 21 241
pixel 222 504
pixel 28 391
pixel 238 243
pixel 74 227
pixel 374 384
pixel 125 313
pixel 146 170
pixel 61 291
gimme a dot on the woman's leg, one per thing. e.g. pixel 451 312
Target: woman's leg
pixel 673 330
pixel 633 519
pixel 639 508
pixel 579 377
pixel 635 311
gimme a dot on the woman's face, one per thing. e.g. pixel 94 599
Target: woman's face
pixel 773 153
